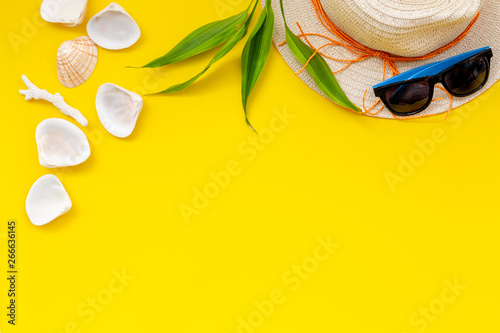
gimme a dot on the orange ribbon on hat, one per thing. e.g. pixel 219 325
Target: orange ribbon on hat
pixel 365 52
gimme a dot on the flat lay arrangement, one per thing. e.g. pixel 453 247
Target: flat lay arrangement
pixel 404 96
pixel 60 143
pixel 250 166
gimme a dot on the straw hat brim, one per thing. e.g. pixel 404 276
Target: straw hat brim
pixel 364 75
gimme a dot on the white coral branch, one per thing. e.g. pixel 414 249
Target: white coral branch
pixel 58 101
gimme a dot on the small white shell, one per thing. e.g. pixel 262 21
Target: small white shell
pixel 113 28
pixel 118 109
pixel 68 12
pixel 61 144
pixel 76 60
pixel 47 200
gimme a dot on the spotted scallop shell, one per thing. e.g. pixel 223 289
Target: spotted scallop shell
pixel 76 60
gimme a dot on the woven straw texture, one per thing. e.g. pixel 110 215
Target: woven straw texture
pixel 402 27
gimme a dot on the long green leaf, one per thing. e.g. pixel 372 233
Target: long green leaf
pixel 226 48
pixel 201 40
pixel 256 53
pixel 318 68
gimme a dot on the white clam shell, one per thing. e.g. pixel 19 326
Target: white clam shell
pixel 113 28
pixel 118 109
pixel 47 200
pixel 61 144
pixel 76 60
pixel 68 12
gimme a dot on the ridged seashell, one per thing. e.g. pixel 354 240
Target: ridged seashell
pixel 61 144
pixel 68 12
pixel 118 109
pixel 113 28
pixel 76 60
pixel 47 200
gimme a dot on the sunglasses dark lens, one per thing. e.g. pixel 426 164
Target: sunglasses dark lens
pixel 467 77
pixel 408 98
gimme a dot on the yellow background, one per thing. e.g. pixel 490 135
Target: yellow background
pixel 322 175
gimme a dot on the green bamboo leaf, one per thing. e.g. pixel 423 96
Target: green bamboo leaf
pixel 318 68
pixel 226 48
pixel 256 53
pixel 201 40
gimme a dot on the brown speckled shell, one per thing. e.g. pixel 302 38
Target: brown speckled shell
pixel 76 60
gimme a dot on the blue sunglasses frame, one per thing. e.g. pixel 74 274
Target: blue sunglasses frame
pixel 432 74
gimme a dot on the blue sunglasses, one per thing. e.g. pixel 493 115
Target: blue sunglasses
pixel 411 92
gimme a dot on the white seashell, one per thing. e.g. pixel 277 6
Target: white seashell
pixel 76 60
pixel 47 200
pixel 118 109
pixel 61 144
pixel 68 12
pixel 113 28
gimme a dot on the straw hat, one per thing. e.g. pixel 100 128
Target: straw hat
pixel 407 28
